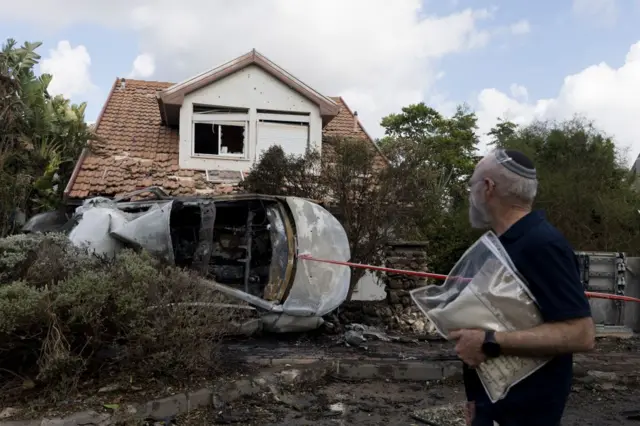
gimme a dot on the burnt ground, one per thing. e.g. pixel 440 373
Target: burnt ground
pixel 385 403
pixel 598 400
pixel 339 402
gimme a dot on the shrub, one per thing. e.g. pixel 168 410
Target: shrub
pixel 65 314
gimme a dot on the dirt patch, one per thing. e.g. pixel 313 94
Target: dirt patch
pixel 383 403
pixel 333 402
pixel 111 392
pixel 602 388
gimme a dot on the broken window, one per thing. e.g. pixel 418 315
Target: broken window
pixel 205 139
pixel 224 138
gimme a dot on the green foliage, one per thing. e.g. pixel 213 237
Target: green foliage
pixel 423 135
pixel 41 136
pixel 421 138
pixel 585 188
pixel 278 173
pixel 21 306
pixel 62 310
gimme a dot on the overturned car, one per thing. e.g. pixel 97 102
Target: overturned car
pixel 246 246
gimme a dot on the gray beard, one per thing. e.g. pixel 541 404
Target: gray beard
pixel 479 218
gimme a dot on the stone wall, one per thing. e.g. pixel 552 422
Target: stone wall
pixel 397 312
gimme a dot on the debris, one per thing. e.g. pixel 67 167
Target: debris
pixel 298 403
pixel 442 415
pixel 603 375
pixel 110 388
pixel 9 412
pixel 376 334
pixel 354 338
pixel 631 414
pixel 290 376
pixel 338 407
pixel 357 334
pixel 356 327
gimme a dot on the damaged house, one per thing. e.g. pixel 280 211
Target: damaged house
pixel 189 145
pixel 201 136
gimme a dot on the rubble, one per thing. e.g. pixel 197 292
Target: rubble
pixel 8 412
pixel 443 415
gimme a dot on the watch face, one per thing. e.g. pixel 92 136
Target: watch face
pixel 491 349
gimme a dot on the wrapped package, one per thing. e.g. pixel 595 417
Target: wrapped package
pixel 484 291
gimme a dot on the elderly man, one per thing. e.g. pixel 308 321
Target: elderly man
pixel 502 191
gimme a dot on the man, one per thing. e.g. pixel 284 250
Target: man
pixel 502 191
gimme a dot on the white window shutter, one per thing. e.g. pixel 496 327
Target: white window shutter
pixel 293 138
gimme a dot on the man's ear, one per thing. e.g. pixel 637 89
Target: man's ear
pixel 489 187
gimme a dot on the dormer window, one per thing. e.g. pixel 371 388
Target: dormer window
pixel 219 138
pixel 220 132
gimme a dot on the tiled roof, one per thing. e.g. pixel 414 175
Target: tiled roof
pixel 135 150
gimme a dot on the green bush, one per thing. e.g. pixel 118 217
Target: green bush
pixel 65 314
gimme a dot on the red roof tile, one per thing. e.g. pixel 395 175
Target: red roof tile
pixel 135 150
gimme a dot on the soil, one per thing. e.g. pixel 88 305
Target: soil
pixel 389 404
pixel 339 402
pixel 393 403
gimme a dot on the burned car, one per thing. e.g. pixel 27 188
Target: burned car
pixel 247 246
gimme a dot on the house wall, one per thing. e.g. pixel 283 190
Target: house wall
pixel 369 288
pixel 250 88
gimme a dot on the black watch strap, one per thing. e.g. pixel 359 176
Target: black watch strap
pixel 490 346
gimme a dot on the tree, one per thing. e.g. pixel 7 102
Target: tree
pixel 423 134
pixel 375 201
pixel 585 187
pixel 41 136
pixel 421 137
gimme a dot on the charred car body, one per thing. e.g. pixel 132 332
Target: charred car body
pixel 246 245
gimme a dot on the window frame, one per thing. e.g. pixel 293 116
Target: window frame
pixel 222 119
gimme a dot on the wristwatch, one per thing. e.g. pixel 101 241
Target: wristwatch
pixel 490 347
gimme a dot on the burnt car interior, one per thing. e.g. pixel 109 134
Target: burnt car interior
pixel 241 250
pixel 240 238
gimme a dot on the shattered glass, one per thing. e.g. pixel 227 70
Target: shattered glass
pixel 484 291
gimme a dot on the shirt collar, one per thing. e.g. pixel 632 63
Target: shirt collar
pixel 525 223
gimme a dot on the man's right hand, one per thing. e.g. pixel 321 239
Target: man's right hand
pixel 470 412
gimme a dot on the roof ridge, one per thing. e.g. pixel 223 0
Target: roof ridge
pixel 136 80
pixel 361 126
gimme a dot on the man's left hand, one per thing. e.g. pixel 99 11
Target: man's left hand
pixel 469 346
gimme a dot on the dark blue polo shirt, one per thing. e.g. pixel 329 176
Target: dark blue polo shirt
pixel 546 260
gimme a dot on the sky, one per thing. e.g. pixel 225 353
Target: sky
pixel 514 59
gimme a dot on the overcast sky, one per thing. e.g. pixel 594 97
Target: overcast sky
pixel 505 58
